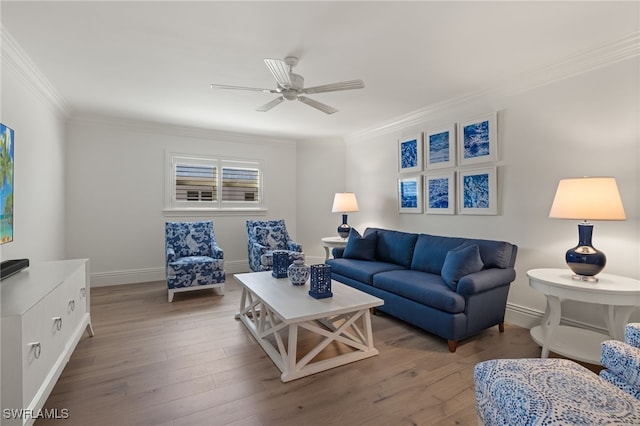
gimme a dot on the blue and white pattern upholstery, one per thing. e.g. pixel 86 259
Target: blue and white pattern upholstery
pixel 622 361
pixel 548 391
pixel 194 260
pixel 265 236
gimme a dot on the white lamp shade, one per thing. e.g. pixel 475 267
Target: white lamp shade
pixel 587 198
pixel 344 202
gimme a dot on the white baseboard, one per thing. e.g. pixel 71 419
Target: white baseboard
pixel 522 316
pixel 525 317
pixel 132 276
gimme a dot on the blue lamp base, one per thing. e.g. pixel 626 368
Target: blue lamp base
pixel 344 229
pixel 585 260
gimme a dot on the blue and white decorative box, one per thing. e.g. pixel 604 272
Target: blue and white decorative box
pixel 281 262
pixel 320 281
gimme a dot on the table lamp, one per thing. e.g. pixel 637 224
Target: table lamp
pixel 587 198
pixel 344 202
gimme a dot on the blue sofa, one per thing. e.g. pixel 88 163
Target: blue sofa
pixel 451 287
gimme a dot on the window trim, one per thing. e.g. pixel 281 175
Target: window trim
pixel 197 208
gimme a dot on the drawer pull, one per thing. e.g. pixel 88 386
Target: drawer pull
pixel 36 348
pixel 72 305
pixel 57 321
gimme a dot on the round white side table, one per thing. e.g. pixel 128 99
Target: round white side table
pixel 620 294
pixel 330 242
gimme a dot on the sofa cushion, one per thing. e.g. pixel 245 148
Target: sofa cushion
pixel 431 251
pixel 360 270
pixel 427 289
pixel 359 247
pixel 394 246
pixel 461 261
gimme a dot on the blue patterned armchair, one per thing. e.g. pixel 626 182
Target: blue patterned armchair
pixel 265 236
pixel 194 260
pixel 622 361
pixel 554 391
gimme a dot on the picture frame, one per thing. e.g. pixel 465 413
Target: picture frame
pixel 440 193
pixel 478 191
pixel 440 148
pixel 410 194
pixel 478 140
pixel 410 154
pixel 7 142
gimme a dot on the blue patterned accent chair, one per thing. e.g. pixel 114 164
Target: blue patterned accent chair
pixel 622 361
pixel 553 391
pixel 265 236
pixel 194 260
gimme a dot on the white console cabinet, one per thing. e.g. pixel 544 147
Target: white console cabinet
pixel 45 311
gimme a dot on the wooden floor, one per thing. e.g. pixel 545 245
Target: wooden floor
pixel 191 363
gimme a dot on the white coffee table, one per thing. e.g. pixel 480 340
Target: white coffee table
pixel 274 311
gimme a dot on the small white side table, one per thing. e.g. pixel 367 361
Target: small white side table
pixel 620 294
pixel 331 242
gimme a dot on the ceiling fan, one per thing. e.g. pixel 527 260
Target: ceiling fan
pixel 290 86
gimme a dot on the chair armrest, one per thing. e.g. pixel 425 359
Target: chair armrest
pixel 484 280
pixel 171 254
pixel 632 334
pixel 623 360
pixel 293 246
pixel 259 248
pixel 217 252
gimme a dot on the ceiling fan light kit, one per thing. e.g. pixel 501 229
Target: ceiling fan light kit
pixel 290 86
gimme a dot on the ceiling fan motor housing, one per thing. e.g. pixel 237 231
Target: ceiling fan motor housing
pixel 297 84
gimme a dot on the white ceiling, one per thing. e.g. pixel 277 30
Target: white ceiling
pixel 154 61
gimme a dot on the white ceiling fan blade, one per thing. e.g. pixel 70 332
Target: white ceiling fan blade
pixel 280 71
pixel 317 105
pixel 255 89
pixel 273 103
pixel 334 87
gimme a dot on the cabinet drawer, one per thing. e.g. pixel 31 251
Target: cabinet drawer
pixel 47 327
pixel 38 347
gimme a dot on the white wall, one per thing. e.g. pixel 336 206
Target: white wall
pixel 39 170
pixel 584 125
pixel 116 186
pixel 320 174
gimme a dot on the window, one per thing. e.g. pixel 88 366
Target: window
pixel 199 182
pixel 196 182
pixel 240 184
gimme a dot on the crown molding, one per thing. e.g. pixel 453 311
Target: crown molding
pixel 627 47
pixel 16 58
pixel 176 130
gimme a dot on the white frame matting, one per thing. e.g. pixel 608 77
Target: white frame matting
pixel 274 311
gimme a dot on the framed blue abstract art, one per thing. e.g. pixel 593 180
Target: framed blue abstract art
pixel 478 191
pixel 440 193
pixel 410 194
pixel 410 155
pixel 440 148
pixel 6 183
pixel 478 140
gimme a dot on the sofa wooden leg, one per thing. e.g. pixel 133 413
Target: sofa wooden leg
pixel 501 327
pixel 453 345
pixel 373 311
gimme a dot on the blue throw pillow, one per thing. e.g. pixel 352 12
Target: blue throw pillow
pixel 461 261
pixel 359 247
